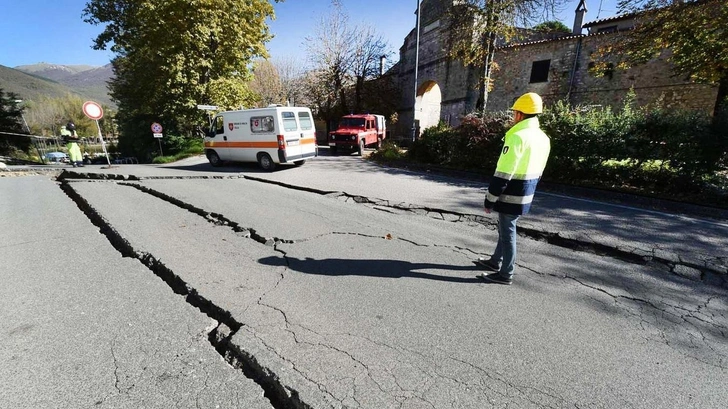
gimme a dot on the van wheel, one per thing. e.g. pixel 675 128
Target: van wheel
pixel 214 158
pixel 361 148
pixel 299 162
pixel 265 162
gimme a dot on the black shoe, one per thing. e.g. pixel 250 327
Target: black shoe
pixel 487 264
pixel 495 278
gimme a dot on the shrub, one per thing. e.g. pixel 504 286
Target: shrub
pixel 474 144
pixel 389 152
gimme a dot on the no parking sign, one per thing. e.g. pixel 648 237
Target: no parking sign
pixel 157 130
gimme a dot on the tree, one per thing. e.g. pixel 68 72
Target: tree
pixel 694 32
pixel 11 117
pixel 290 74
pixel 11 114
pixel 330 51
pixel 47 115
pixel 344 57
pixel 266 83
pixel 552 26
pixel 368 48
pixel 475 27
pixel 172 55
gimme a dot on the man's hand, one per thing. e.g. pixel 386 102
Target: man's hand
pixel 487 211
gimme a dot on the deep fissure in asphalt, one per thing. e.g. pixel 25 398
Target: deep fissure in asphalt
pixel 220 338
pixel 441 214
pixel 671 265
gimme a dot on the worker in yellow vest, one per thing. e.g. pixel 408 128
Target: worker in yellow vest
pixel 510 192
pixel 74 151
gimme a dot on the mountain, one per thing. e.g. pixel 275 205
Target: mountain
pixel 55 72
pixel 31 81
pixel 30 87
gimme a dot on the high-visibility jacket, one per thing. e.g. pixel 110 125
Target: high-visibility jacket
pixel 520 166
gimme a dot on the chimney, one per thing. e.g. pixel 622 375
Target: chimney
pixel 579 18
pixel 382 63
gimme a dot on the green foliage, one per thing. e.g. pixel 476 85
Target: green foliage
pixel 693 31
pixel 172 55
pixel 474 144
pixel 553 26
pixel 48 114
pixel 180 148
pixel 652 150
pixel 11 119
pixel 389 152
pixel 675 154
pixel 11 122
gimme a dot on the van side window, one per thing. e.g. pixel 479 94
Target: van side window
pixel 261 124
pixel 219 125
pixel 289 121
pixel 305 119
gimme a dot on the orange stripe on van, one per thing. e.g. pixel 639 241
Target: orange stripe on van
pixel 241 145
pixel 308 141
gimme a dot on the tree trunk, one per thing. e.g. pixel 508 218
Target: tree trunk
pixel 720 100
pixel 358 89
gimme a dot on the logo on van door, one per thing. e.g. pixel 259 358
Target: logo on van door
pixel 230 126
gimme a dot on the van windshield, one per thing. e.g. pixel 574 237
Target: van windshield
pixel 352 123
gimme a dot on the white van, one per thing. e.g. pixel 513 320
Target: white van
pixel 269 136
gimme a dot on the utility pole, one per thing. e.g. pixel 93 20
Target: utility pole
pixel 417 64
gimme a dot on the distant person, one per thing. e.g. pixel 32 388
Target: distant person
pixel 74 151
pixel 520 166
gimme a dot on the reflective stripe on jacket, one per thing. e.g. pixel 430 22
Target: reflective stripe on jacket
pixel 520 166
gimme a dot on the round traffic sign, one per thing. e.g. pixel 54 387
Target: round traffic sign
pixel 156 128
pixel 93 110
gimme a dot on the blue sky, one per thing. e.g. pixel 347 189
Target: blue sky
pixel 52 31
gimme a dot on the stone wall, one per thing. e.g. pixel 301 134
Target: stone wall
pixel 568 74
pixel 652 82
pixel 457 83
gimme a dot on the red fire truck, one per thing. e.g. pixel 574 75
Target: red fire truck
pixel 357 131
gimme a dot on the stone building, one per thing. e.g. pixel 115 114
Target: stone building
pixel 557 69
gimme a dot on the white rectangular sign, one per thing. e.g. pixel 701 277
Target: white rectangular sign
pixel 207 107
pixel 157 135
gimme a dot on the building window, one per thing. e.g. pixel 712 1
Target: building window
pixel 608 29
pixel 540 71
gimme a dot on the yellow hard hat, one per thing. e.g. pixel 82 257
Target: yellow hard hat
pixel 529 103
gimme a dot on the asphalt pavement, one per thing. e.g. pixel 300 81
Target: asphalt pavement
pixel 346 284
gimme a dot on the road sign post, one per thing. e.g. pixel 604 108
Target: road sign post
pixel 94 111
pixel 157 133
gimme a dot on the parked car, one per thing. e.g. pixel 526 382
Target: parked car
pixel 56 157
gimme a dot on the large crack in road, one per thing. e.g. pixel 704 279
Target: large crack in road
pixel 695 269
pixel 280 396
pixel 220 337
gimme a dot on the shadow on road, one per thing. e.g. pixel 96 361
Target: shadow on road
pixel 372 268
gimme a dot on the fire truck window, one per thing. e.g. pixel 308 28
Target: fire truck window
pixel 305 119
pixel 289 121
pixel 219 125
pixel 352 122
pixel 261 124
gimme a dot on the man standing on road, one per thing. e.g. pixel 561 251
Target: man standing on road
pixel 510 193
pixel 74 152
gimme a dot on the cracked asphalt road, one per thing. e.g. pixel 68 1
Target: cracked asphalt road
pixel 361 300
